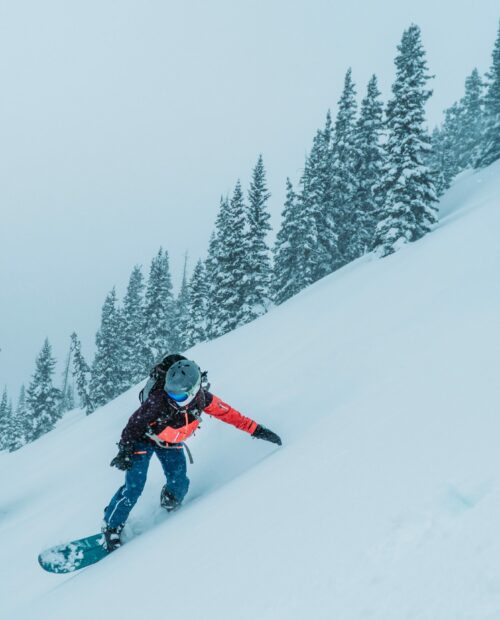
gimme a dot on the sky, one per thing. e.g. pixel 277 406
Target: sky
pixel 123 122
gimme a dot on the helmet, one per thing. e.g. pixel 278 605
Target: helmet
pixel 183 382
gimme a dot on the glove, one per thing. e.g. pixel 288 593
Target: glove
pixel 261 432
pixel 123 460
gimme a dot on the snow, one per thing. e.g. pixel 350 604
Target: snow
pixel 384 501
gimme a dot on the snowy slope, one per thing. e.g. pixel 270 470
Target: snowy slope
pixel 384 501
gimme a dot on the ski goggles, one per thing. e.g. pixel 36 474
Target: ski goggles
pixel 179 397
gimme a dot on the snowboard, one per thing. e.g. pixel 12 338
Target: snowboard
pixel 73 555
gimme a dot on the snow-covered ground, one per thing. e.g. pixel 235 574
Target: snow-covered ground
pixel 384 501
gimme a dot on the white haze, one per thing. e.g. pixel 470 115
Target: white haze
pixel 123 122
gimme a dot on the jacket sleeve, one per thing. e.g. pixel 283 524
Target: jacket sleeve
pixel 139 421
pixel 222 411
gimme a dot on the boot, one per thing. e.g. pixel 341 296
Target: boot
pixel 168 500
pixel 111 536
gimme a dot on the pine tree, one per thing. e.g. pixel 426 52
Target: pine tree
pixel 472 114
pixel 228 267
pixel 490 143
pixel 160 331
pixel 446 147
pixel 4 421
pixel 134 357
pixel 257 294
pixel 369 160
pixel 214 276
pixel 438 161
pixel 106 381
pixel 182 312
pixel 20 425
pixel 42 398
pixel 64 404
pixel 16 429
pixel 408 211
pixel 343 172
pixel 319 253
pixel 287 250
pixel 81 373
pixel 197 306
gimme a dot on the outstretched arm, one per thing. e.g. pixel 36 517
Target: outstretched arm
pixel 221 410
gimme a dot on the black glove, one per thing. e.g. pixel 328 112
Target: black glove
pixel 261 432
pixel 123 460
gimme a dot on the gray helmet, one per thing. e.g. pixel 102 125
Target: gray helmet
pixel 183 382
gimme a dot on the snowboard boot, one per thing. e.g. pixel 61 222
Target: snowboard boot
pixel 168 500
pixel 111 536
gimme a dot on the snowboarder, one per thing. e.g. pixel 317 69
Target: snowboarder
pixel 167 417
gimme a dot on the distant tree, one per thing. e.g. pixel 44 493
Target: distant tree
pixel 319 250
pixel 287 250
pixel 107 380
pixel 42 398
pixel 343 171
pixel 197 306
pixel 472 117
pixel 160 331
pixel 214 276
pixel 81 373
pixel 4 421
pixel 134 351
pixel 409 209
pixel 16 430
pixel 368 164
pixel 228 267
pixel 257 293
pixel 64 405
pixel 20 422
pixel 182 312
pixel 490 144
pixel 438 161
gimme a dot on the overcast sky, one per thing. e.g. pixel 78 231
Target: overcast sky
pixel 122 122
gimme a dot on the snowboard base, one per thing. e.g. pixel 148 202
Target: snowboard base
pixel 74 555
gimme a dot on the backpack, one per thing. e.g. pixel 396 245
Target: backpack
pixel 158 373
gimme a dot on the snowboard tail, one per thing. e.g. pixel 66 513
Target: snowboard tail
pixel 74 555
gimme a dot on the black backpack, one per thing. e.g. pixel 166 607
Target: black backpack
pixel 158 373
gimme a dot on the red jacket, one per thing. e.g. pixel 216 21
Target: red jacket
pixel 159 417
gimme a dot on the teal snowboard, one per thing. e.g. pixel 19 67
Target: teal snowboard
pixel 74 555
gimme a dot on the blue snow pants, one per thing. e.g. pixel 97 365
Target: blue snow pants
pixel 173 463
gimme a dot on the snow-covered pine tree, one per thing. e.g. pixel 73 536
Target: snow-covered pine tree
pixel 287 250
pixel 197 306
pixel 472 119
pixel 106 379
pixel 437 161
pixel 182 311
pixel 319 254
pixel 16 430
pixel 343 177
pixel 213 276
pixel 19 425
pixel 257 293
pixel 4 421
pixel 369 160
pixel 228 266
pixel 42 398
pixel 81 373
pixel 134 358
pixel 64 405
pixel 70 396
pixel 445 155
pixel 408 210
pixel 160 332
pixel 490 144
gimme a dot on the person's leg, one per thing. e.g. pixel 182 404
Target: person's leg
pixel 173 462
pixel 118 510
